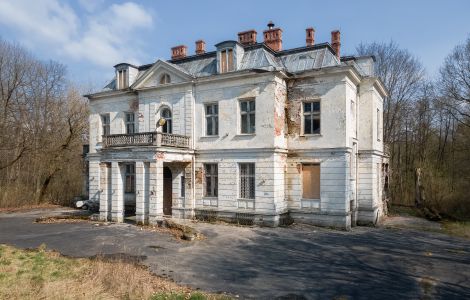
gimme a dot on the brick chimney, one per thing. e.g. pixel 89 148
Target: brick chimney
pixel 273 37
pixel 200 47
pixel 310 36
pixel 247 37
pixel 336 42
pixel 179 52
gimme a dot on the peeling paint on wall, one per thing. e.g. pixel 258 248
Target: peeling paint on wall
pixel 199 174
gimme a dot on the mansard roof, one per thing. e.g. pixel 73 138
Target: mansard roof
pixel 257 57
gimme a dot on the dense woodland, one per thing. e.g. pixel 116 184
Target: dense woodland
pixel 43 126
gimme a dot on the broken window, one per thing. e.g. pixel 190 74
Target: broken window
pixel 166 114
pixel 105 122
pixel 247 116
pixel 311 181
pixel 165 78
pixel 226 60
pixel 129 185
pixel 212 119
pixel 130 123
pixel 247 180
pixel 311 112
pixel 211 180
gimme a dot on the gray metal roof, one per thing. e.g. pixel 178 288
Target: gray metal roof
pixel 200 67
pixel 257 57
pixel 308 60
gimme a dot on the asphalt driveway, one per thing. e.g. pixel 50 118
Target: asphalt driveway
pixel 264 263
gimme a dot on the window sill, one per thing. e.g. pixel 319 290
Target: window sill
pixel 209 136
pixel 245 134
pixel 311 135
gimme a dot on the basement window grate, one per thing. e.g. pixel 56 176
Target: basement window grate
pixel 244 219
pixel 206 215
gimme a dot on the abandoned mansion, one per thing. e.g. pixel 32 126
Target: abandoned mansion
pixel 249 132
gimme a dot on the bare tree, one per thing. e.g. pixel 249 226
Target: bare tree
pixel 455 82
pixel 402 75
pixel 43 119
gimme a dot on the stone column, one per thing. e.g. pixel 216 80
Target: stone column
pixel 117 208
pixel 142 192
pixel 105 189
pixel 94 181
pixel 156 191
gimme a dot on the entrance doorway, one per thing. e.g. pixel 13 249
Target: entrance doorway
pixel 167 191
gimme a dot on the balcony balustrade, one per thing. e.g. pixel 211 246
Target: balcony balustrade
pixel 158 139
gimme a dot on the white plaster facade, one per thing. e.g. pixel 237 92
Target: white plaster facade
pixel 348 149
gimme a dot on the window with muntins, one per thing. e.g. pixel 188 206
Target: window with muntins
pixel 129 186
pixel 247 116
pixel 311 112
pixel 211 180
pixel 130 123
pixel 226 60
pixel 105 122
pixel 167 127
pixel 212 119
pixel 247 180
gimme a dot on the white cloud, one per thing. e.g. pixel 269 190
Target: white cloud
pixel 101 37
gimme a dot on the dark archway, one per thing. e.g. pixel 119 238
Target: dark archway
pixel 167 191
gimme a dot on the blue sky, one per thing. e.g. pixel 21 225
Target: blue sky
pixel 91 36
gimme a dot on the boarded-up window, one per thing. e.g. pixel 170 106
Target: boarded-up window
pixel 310 181
pixel 226 60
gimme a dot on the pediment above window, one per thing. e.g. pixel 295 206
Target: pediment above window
pixel 161 74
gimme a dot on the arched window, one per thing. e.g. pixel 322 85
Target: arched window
pixel 165 78
pixel 166 114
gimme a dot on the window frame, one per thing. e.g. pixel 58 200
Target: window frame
pixel 211 177
pixel 129 174
pixel 227 60
pixel 128 123
pixel 319 180
pixel 248 113
pixel 182 186
pixel 169 120
pixel 214 119
pixel 105 127
pixel 313 115
pixel 165 78
pixel 247 179
pixel 379 131
pixel 122 79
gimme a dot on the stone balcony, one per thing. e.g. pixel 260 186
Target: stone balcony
pixel 157 139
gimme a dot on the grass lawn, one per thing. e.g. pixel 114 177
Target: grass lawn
pixel 42 274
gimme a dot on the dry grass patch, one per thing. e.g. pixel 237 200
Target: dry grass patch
pixel 41 274
pixel 63 219
pixel 456 228
pixel 28 207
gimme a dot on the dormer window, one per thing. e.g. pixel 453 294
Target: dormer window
pixel 122 79
pixel 165 78
pixel 226 60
